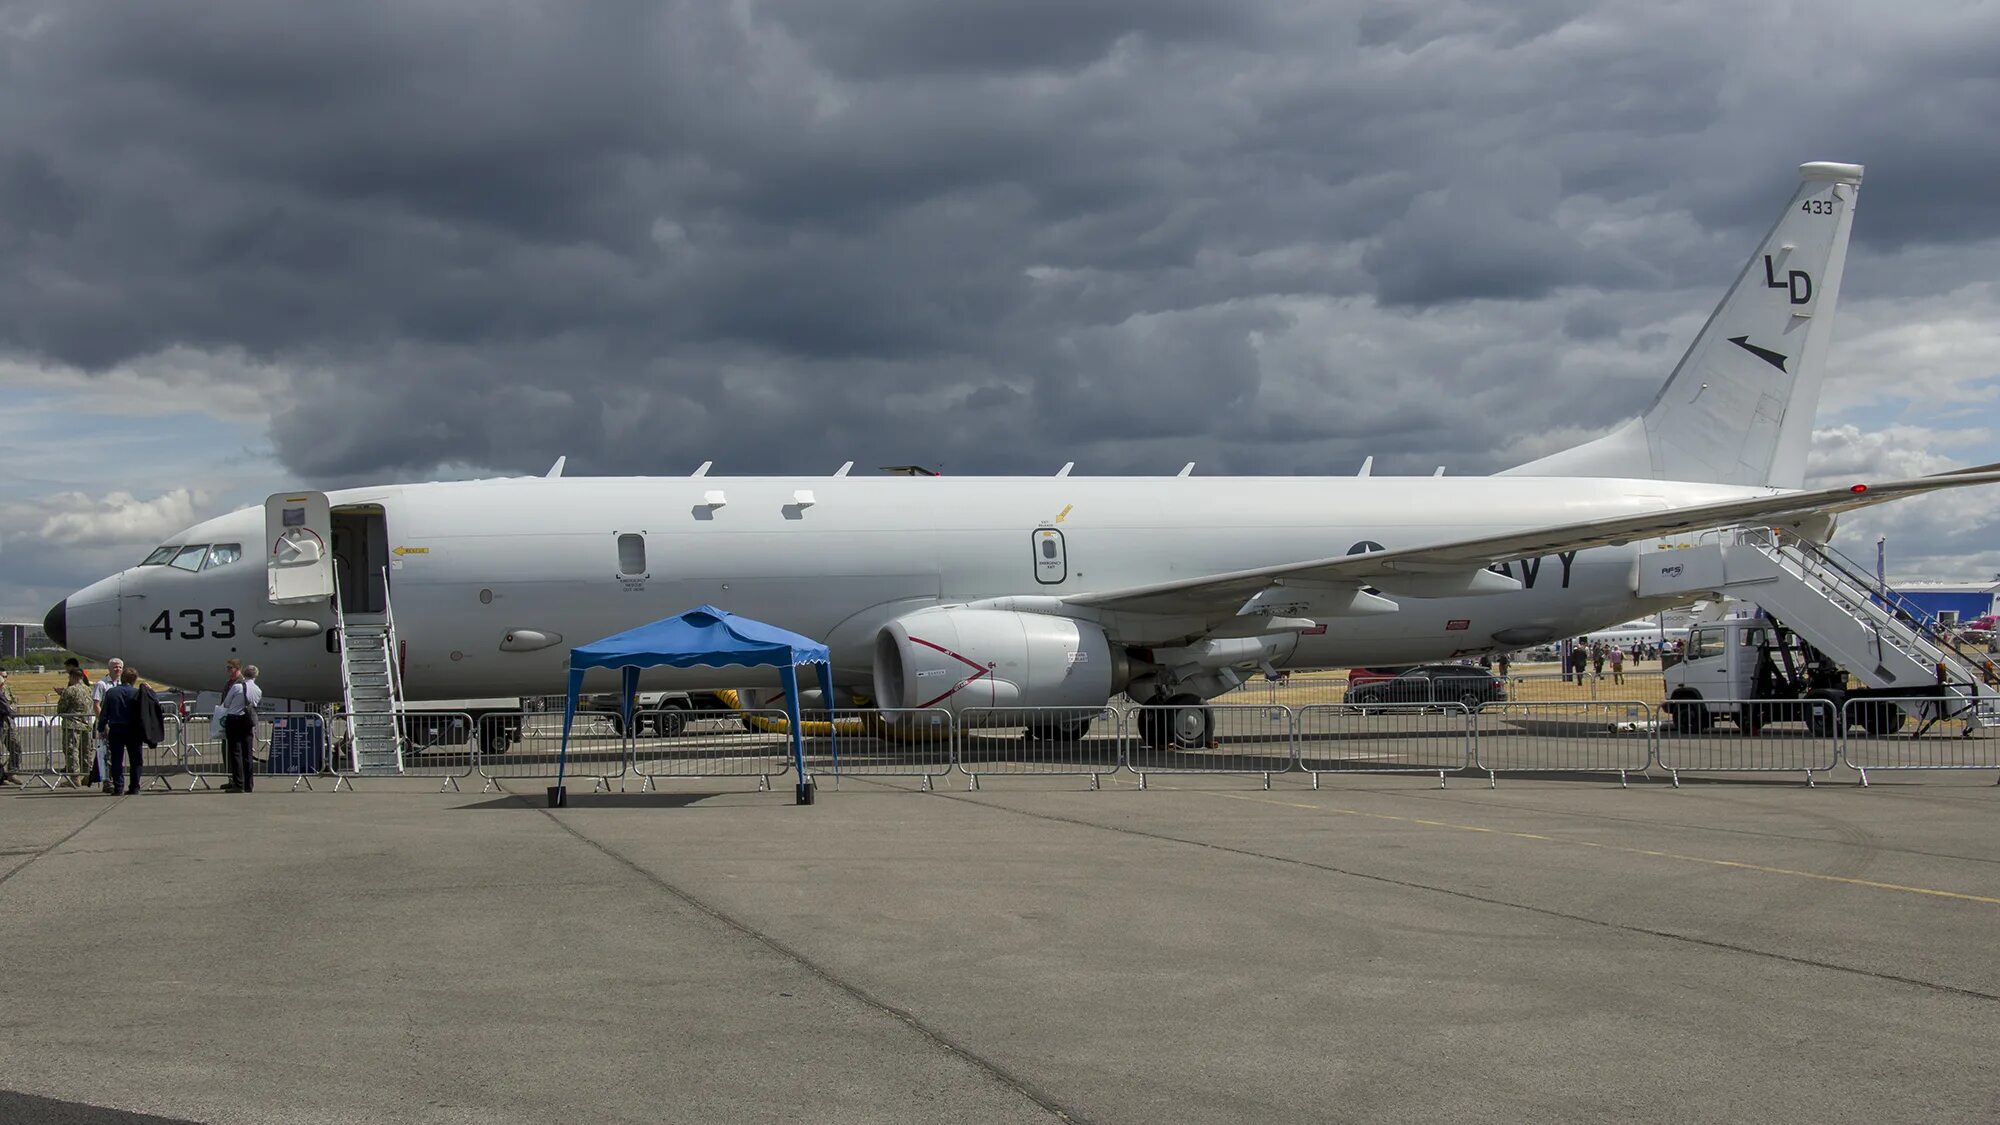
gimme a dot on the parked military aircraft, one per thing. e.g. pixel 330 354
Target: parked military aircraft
pixel 1057 591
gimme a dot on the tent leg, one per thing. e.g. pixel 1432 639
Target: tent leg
pixel 805 793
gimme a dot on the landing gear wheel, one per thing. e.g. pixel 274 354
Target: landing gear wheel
pixel 1182 722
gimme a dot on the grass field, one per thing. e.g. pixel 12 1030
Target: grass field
pixel 36 688
pixel 1526 683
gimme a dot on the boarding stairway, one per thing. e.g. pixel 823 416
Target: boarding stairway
pixel 371 688
pixel 1840 609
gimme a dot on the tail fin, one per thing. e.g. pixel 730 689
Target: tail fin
pixel 1739 407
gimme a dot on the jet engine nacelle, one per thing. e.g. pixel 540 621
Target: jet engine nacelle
pixel 959 658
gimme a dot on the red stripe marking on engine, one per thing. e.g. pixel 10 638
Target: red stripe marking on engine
pixel 979 672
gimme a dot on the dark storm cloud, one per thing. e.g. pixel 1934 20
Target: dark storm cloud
pixel 994 235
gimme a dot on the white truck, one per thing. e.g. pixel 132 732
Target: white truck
pixel 1752 672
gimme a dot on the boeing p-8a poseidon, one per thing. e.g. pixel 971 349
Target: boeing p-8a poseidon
pixel 1058 591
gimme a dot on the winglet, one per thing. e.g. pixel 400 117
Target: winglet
pixel 556 469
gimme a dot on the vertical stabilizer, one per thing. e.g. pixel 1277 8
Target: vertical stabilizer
pixel 1739 407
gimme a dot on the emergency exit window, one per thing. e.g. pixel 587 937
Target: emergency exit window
pixel 631 555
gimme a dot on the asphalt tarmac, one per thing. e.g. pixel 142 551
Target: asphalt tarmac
pixel 1205 950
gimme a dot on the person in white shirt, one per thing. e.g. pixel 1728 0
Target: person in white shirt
pixel 98 690
pixel 239 729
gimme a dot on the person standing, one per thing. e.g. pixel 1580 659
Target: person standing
pixel 1617 665
pixel 1579 655
pixel 75 711
pixel 10 764
pixel 121 719
pixel 239 731
pixel 1597 661
pixel 111 680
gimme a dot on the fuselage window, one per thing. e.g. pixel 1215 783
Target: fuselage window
pixel 190 558
pixel 222 554
pixel 161 556
pixel 631 554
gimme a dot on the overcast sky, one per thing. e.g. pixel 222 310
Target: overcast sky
pixel 252 245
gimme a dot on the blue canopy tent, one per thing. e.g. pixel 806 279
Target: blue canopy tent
pixel 702 637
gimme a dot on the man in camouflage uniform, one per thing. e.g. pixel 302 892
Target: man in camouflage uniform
pixel 10 763
pixel 77 711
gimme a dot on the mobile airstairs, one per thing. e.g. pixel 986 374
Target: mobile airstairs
pixel 1888 644
pixel 371 686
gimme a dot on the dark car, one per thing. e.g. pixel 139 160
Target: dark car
pixel 1358 676
pixel 1468 684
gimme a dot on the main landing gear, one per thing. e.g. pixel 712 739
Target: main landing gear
pixel 1178 722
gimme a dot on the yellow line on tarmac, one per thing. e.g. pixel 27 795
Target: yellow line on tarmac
pixel 1738 865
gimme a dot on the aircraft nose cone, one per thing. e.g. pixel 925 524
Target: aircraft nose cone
pixel 56 624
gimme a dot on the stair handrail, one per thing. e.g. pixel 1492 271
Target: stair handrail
pixel 389 649
pixel 1920 620
pixel 346 679
pixel 1929 639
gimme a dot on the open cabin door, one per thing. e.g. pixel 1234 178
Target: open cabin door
pixel 298 536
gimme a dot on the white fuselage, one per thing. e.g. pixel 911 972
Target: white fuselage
pixel 472 563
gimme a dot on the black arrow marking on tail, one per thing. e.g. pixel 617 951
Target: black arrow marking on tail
pixel 1775 359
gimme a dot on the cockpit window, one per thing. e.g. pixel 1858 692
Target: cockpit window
pixel 160 556
pixel 222 554
pixel 190 558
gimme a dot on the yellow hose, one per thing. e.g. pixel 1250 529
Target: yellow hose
pixel 811 728
pixel 869 724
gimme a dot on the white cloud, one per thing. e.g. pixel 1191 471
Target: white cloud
pixel 119 518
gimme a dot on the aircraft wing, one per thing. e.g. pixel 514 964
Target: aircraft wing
pixel 1227 592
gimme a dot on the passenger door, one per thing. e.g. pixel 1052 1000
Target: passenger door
pixel 298 536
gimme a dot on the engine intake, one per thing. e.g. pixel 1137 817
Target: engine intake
pixel 959 658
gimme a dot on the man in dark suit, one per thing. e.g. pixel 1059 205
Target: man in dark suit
pixel 129 718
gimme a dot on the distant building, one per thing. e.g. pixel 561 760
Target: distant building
pixel 24 638
pixel 1952 601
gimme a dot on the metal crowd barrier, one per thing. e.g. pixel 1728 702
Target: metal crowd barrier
pixel 520 744
pixel 907 742
pixel 294 744
pixel 1748 736
pixel 41 734
pixel 1433 738
pixel 1036 741
pixel 439 744
pixel 1254 739
pixel 1923 733
pixel 707 747
pixel 1603 736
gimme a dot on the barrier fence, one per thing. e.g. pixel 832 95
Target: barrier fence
pixel 1809 737
pixel 1031 741
pixel 671 744
pixel 1385 738
pixel 908 742
pixel 1607 736
pixel 1748 736
pixel 1222 738
pixel 1941 737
